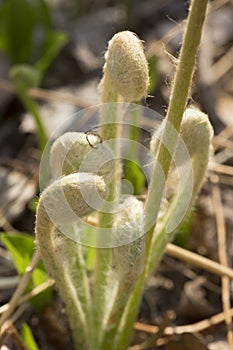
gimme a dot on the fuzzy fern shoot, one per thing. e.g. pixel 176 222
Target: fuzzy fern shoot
pixel 102 304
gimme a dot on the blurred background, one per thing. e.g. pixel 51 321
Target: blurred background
pixel 51 59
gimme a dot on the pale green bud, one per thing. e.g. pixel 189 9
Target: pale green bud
pixel 65 199
pixel 76 151
pixel 126 68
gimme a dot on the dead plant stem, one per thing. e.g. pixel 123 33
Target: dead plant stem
pixel 199 261
pixel 222 250
pixel 20 289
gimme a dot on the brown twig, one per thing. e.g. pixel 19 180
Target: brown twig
pixel 189 328
pixel 222 66
pixel 20 289
pixel 199 261
pixel 43 94
pixel 216 4
pixel 219 141
pixel 37 290
pixel 222 250
pixel 150 343
pixel 221 169
pixel 225 180
pixel 226 132
pixel 12 332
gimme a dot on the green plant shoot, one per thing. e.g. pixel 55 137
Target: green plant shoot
pixel 102 297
